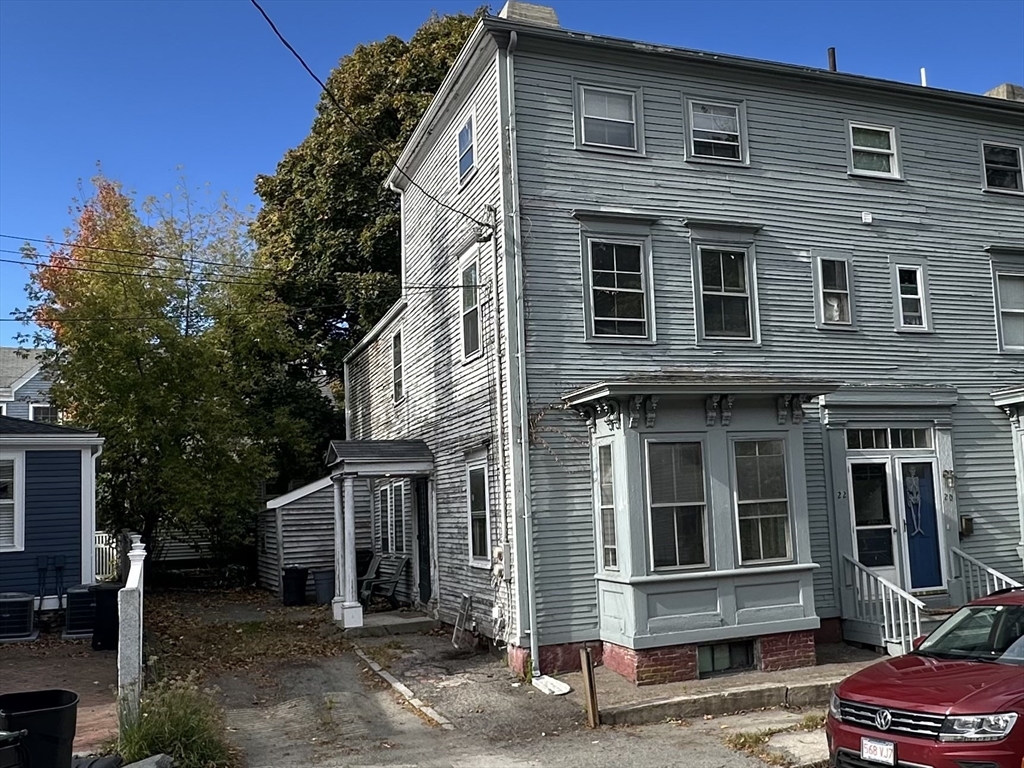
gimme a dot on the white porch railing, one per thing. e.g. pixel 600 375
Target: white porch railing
pixel 979 580
pixel 106 556
pixel 879 601
pixel 129 638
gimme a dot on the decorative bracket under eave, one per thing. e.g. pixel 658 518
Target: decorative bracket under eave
pixel 790 408
pixel 1015 414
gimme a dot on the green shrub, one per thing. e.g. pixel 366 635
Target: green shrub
pixel 179 719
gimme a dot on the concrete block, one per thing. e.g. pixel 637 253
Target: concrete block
pixel 694 706
pixel 810 694
pixel 801 749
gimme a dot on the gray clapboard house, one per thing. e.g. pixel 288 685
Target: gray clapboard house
pixel 24 387
pixel 710 357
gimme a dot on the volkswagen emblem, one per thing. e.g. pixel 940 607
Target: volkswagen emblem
pixel 883 719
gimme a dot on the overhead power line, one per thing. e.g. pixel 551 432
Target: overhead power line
pixel 137 253
pixel 367 133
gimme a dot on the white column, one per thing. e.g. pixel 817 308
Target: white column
pixel 337 604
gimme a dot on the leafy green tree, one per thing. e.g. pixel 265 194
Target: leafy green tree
pixel 162 338
pixel 328 228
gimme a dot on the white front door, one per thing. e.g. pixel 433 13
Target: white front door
pixel 874 520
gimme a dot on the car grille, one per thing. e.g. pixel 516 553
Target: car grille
pixel 847 759
pixel 920 724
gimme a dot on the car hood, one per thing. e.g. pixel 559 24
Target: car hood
pixel 923 684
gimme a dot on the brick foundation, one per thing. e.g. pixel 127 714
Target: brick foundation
pixel 554 659
pixel 831 631
pixel 785 650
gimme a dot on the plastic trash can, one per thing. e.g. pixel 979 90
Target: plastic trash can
pixel 293 585
pixel 105 621
pixel 50 717
pixel 323 583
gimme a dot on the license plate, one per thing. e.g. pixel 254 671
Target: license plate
pixel 882 752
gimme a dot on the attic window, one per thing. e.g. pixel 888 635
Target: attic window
pixel 1002 168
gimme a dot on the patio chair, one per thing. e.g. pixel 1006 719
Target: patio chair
pixel 371 573
pixel 385 586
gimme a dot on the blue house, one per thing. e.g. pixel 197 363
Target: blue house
pixel 24 388
pixel 47 506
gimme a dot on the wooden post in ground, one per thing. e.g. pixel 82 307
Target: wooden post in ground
pixel 589 688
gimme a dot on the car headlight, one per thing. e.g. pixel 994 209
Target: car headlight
pixel 833 707
pixel 977 727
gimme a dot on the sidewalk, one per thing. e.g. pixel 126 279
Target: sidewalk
pixel 622 703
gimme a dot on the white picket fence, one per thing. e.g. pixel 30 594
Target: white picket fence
pixel 106 556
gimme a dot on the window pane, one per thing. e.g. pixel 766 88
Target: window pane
pixel 7 480
pixel 773 538
pixel 836 308
pixel 726 317
pixel 833 275
pixel 922 438
pixel 597 131
pixel 734 272
pixel 1011 292
pixel 663 537
pixel 602 256
pixel 398 514
pixel 477 490
pixel 1006 157
pixel 466 163
pixel 469 286
pixel 908 282
pixel 690 535
pixel 627 258
pixel 479 533
pixel 871 161
pixel 874 547
pixel 912 314
pixel 385 524
pixel 715 119
pixel 871 138
pixel 676 473
pixel 750 539
pixel 870 494
pixel 1013 330
pixel 396 349
pixel 604 454
pixel 761 476
pixel 470 332
pixel 717 150
pixel 711 270
pixel 1003 179
pixel 617 106
pixel 466 136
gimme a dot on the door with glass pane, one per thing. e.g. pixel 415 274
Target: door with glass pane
pixel 874 524
pixel 921 535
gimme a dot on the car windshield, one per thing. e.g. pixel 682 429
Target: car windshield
pixel 980 633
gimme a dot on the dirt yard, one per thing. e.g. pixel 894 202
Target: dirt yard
pixel 72 665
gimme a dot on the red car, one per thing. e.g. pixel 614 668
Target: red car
pixel 955 701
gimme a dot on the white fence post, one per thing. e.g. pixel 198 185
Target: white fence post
pixel 130 674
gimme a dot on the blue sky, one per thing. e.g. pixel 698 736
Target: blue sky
pixel 146 88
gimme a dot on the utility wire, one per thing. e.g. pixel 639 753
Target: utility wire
pixel 136 253
pixel 368 134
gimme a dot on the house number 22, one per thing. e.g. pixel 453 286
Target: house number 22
pixel 840 494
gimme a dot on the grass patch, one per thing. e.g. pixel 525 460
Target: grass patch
pixel 180 719
pixel 749 741
pixel 811 722
pixel 755 743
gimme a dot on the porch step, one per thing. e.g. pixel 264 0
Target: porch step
pixel 392 623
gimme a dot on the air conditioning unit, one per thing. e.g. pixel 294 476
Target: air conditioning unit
pixel 17 616
pixel 79 611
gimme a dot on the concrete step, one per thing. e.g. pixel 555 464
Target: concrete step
pixel 392 623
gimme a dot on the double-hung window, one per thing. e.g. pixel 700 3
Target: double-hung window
pixel 467 150
pixel 715 131
pixel 911 302
pixel 470 277
pixel 677 504
pixel 12 502
pixel 478 507
pixel 873 151
pixel 606 507
pixel 608 118
pixel 618 289
pixel 398 517
pixel 397 377
pixel 833 281
pixel 44 412
pixel 384 509
pixel 1010 309
pixel 726 297
pixel 1002 167
pixel 762 501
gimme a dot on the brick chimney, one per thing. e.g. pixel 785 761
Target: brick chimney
pixel 1008 91
pixel 528 13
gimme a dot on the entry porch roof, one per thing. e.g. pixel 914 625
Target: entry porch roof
pixel 380 458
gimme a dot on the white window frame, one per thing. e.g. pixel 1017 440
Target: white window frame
pixel 600 507
pixel 895 170
pixel 470 121
pixel 3 408
pixel 741 125
pixel 396 491
pixel 397 369
pixel 471 258
pixel 750 265
pixel 1020 168
pixel 646 283
pixel 32 412
pixel 734 475
pixel 922 286
pixel 579 98
pixel 998 272
pixel 480 464
pixel 18 457
pixel 384 505
pixel 820 290
pixel 673 438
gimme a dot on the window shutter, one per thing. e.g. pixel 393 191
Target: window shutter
pixel 6 503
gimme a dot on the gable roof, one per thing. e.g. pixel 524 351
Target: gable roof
pixel 299 493
pixel 378 450
pixel 10 426
pixel 16 364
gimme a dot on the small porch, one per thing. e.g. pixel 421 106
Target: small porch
pixel 396 476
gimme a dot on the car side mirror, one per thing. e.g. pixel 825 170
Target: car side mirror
pixel 917 641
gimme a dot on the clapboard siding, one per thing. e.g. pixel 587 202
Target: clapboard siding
pixel 820 519
pixel 797 187
pixel 268 559
pixel 449 403
pixel 35 390
pixel 53 522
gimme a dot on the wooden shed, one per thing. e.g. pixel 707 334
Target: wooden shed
pixel 298 529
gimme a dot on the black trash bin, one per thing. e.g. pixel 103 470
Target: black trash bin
pixel 50 717
pixel 293 585
pixel 323 582
pixel 104 625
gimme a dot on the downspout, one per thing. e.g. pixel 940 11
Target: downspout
pixel 524 416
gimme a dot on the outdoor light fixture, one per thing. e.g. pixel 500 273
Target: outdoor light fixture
pixel 950 477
